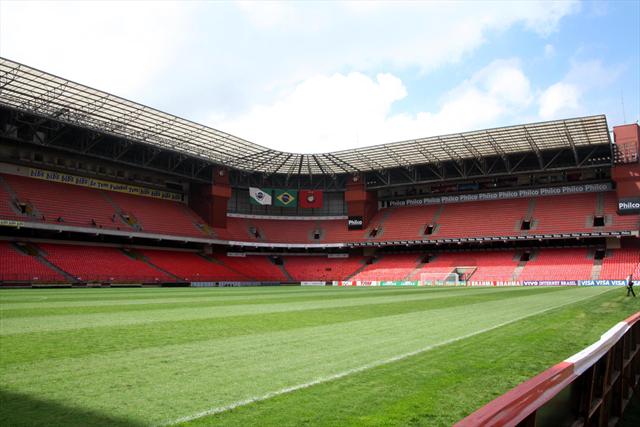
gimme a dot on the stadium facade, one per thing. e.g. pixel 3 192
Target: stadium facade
pixel 96 189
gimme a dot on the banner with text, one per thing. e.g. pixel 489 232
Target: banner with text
pixel 503 195
pixel 102 185
pixel 629 206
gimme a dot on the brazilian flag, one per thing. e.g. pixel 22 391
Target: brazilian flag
pixel 285 198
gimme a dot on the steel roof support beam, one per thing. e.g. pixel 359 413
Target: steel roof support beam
pixel 571 143
pixel 478 158
pixel 499 151
pixel 589 156
pixel 403 163
pixel 458 161
pixel 534 147
pixel 341 163
pixel 280 165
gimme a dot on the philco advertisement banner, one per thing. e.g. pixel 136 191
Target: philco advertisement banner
pixel 355 223
pixel 629 206
pixel 503 195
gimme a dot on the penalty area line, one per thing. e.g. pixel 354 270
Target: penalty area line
pixel 352 371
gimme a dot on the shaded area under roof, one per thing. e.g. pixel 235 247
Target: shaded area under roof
pixel 34 91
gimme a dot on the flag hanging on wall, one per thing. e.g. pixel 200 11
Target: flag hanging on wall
pixel 310 199
pixel 260 196
pixel 285 198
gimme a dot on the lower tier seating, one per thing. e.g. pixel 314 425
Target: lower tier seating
pixel 102 264
pixel 192 267
pixel 17 266
pixel 109 264
pixel 619 263
pixel 258 268
pixel 559 264
pixel 390 267
pixel 311 268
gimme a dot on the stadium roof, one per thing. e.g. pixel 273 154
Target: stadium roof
pixel 34 91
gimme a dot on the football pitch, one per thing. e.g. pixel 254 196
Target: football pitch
pixel 283 356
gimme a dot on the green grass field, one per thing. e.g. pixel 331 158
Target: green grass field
pixel 283 356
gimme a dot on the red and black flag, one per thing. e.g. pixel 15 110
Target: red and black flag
pixel 310 199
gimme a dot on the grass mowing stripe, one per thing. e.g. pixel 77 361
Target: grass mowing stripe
pixel 123 294
pixel 80 342
pixel 104 301
pixel 19 325
pixel 223 371
pixel 269 395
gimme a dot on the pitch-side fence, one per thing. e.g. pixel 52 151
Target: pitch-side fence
pixel 591 388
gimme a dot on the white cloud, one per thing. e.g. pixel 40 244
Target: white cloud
pixel 567 96
pixel 116 48
pixel 559 100
pixel 327 113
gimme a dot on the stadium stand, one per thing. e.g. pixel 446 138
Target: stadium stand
pixel 18 266
pixel 102 264
pixel 482 219
pixel 597 180
pixel 406 223
pixel 495 266
pixel 258 268
pixel 310 268
pixel 390 267
pixel 159 216
pixel 559 264
pixel 68 204
pixel 192 267
pixel 619 263
pixel 501 218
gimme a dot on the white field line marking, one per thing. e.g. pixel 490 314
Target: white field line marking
pixel 269 395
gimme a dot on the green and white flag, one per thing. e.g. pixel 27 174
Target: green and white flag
pixel 260 196
pixel 285 198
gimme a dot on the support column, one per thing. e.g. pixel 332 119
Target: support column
pixel 626 168
pixel 360 202
pixel 210 200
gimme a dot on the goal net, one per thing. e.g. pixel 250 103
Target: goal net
pixel 440 279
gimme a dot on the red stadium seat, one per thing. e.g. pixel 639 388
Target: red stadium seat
pixel 102 264
pixel 16 266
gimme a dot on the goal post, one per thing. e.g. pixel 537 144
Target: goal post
pixel 440 279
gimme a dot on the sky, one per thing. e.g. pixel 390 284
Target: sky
pixel 311 77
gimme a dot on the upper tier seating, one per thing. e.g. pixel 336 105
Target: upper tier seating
pixel 101 264
pixel 618 222
pixel 65 203
pixel 619 263
pixel 16 266
pixel 192 267
pixel 160 216
pixel 558 264
pixel 405 223
pixel 390 267
pixel 458 220
pixel 7 204
pixel 311 268
pixel 482 219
